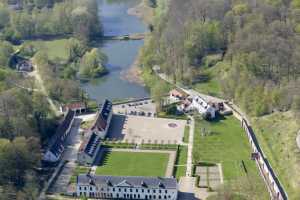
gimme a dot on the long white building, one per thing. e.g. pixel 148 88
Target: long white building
pixel 56 144
pixel 102 121
pixel 126 187
pixel 89 149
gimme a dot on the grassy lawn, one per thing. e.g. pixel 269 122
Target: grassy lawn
pixel 226 143
pixel 212 85
pixel 186 134
pixel 133 164
pixel 276 134
pixel 55 48
pixel 179 170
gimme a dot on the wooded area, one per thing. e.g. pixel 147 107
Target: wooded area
pixel 258 43
pixel 26 120
pixel 246 51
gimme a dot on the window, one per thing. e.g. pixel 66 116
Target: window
pixel 91 188
pixel 107 189
pixel 159 197
pixel 80 193
pixel 159 191
pixel 142 190
pixel 130 190
pixel 113 189
pixel 119 189
pixel 148 191
pixel 166 191
pixel 154 191
pixel 137 190
pixel 84 188
pixel 165 197
pixel 125 190
pixel 79 187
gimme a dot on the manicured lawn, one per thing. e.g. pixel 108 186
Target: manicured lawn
pixel 226 143
pixel 55 48
pixel 180 169
pixel 186 134
pixel 133 164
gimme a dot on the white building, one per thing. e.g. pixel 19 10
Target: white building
pixel 89 149
pixel 102 121
pixel 203 107
pixel 56 144
pixel 127 187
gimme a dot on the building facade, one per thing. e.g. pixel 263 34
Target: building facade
pixel 103 119
pixel 56 144
pixel 203 107
pixel 127 187
pixel 89 149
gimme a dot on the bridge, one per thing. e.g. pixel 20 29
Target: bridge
pixel 133 36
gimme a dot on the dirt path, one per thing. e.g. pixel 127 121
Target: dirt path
pixel 42 89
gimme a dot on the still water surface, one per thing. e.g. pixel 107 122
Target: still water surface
pixel 121 54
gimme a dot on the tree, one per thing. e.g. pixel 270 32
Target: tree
pixel 6 51
pixel 92 64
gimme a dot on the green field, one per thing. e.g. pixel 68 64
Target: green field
pixel 133 164
pixel 55 48
pixel 226 143
pixel 276 134
pixel 180 168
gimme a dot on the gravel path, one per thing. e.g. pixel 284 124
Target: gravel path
pixel 298 139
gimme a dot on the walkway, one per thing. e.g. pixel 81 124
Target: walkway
pixel 298 139
pixel 43 90
pixel 189 164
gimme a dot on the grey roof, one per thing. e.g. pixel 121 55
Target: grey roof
pixel 56 142
pixel 128 181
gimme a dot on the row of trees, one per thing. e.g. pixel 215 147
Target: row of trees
pixel 77 17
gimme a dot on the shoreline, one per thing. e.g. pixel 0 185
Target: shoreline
pixel 142 11
pixel 134 73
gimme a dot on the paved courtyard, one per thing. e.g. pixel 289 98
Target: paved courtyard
pixel 146 129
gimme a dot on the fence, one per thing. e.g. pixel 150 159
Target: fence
pixel 274 186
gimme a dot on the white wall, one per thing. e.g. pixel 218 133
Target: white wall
pixel 87 190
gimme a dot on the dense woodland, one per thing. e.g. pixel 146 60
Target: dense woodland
pixel 256 42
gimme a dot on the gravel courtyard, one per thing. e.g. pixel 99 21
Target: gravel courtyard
pixel 146 129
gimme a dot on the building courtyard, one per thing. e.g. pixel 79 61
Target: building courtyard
pixel 137 129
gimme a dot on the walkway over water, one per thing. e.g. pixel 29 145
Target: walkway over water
pixel 132 36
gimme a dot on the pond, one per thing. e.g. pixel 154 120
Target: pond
pixel 121 54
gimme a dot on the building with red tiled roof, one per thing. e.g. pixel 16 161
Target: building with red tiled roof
pixel 78 107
